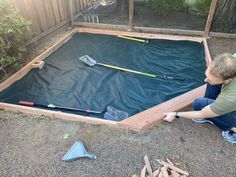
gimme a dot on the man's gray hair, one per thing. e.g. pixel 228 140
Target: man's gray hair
pixel 224 66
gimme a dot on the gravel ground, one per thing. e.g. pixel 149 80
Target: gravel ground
pixel 34 145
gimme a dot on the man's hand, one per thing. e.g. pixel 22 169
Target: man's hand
pixel 169 116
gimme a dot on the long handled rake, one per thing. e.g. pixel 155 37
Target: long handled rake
pixel 91 62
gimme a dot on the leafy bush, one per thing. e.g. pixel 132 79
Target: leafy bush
pixel 199 7
pixel 203 6
pixel 165 6
pixel 14 30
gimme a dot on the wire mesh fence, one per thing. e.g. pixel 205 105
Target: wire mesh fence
pixel 162 14
pixel 224 20
pixel 167 14
pixel 172 14
pixel 114 12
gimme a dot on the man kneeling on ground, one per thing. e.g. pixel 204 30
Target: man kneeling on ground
pixel 218 106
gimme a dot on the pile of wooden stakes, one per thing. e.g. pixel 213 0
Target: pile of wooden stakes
pixel 167 169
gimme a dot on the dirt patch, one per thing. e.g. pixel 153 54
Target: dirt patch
pixel 218 46
pixel 34 145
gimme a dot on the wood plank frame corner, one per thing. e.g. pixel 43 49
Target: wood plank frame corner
pixel 22 72
pixel 138 122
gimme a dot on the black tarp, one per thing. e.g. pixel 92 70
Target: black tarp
pixel 66 81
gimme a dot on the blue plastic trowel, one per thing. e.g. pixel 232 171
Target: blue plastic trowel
pixel 78 151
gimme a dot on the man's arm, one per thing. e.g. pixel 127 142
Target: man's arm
pixel 206 112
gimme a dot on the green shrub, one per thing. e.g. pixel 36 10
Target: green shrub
pixel 14 30
pixel 203 6
pixel 199 7
pixel 166 6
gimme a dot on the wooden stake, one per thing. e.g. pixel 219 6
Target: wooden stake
pixel 210 17
pixel 169 161
pixel 174 173
pixel 149 168
pixel 71 12
pixel 156 173
pixel 174 168
pixel 164 171
pixel 160 174
pixel 131 14
pixel 38 64
pixel 143 172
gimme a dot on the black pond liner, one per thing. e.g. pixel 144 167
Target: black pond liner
pixel 66 81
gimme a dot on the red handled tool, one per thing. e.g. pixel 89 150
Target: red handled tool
pixel 52 106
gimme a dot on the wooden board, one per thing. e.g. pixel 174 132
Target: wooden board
pixel 141 35
pixel 56 114
pixel 210 17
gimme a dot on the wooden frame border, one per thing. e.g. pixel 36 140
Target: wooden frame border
pixel 154 115
pixel 137 122
pixel 140 29
pixel 170 31
pixel 141 35
pixel 56 114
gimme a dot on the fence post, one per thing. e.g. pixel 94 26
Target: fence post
pixel 210 17
pixel 131 15
pixel 71 13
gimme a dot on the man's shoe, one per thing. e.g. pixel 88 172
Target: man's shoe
pixel 230 136
pixel 202 121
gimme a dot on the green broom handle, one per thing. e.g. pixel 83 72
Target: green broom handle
pixel 128 70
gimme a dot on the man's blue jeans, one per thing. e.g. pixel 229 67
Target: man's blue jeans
pixel 224 122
